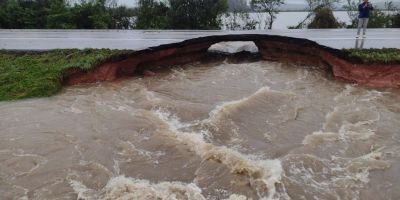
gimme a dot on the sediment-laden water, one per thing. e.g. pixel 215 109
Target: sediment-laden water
pixel 214 130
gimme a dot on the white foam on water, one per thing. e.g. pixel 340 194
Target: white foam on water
pixel 113 105
pixel 20 163
pixel 179 74
pixel 367 163
pixel 355 115
pixel 330 176
pixel 127 150
pixel 355 171
pixel 262 174
pixel 82 191
pixel 348 131
pixel 357 131
pixel 270 136
pixel 15 191
pixel 150 96
pixel 96 165
pixel 73 109
pixel 345 93
pixel 121 188
pixel 356 93
pixel 353 119
pixel 237 197
pixel 320 137
pixel 225 107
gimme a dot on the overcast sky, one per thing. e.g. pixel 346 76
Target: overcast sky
pixel 132 2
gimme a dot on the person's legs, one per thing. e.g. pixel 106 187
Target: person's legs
pixel 360 25
pixel 365 25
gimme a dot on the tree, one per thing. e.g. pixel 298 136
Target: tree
pixel 316 4
pixel 152 14
pixel 86 14
pixel 313 7
pixel 196 14
pixel 396 21
pixel 91 14
pixel 105 14
pixel 15 16
pixel 59 16
pixel 324 19
pixel 270 7
pixel 351 8
pixel 121 16
pixel 239 21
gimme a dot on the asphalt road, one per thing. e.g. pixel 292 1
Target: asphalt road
pixel 139 39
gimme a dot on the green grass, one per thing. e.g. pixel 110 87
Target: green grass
pixel 24 75
pixel 375 55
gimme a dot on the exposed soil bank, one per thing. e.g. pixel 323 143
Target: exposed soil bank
pixel 276 48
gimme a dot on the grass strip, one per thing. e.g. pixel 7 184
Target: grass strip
pixel 30 74
pixel 386 55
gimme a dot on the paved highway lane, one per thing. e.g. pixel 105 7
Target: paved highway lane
pixel 139 39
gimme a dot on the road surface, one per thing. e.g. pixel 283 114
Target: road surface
pixel 139 39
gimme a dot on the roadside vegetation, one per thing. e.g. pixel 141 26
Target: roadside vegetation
pixel 388 55
pixel 270 7
pixel 30 74
pixel 180 14
pixel 59 14
pixel 324 18
pixel 321 15
pixel 24 75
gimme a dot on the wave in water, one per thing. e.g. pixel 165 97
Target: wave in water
pixel 263 175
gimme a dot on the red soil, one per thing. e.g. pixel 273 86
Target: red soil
pixel 277 48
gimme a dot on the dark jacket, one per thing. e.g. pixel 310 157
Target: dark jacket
pixel 364 10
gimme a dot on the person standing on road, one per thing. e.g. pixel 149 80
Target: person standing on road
pixel 364 9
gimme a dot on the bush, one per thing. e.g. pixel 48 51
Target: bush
pixel 58 14
pixel 396 21
pixel 379 19
pixel 239 21
pixel 152 15
pixel 324 18
pixel 385 55
pixel 181 14
pixel 196 14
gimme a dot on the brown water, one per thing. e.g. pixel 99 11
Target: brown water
pixel 220 130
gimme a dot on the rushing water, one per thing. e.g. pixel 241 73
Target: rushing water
pixel 210 130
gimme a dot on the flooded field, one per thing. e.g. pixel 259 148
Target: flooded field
pixel 210 130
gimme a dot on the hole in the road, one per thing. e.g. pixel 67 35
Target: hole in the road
pixel 234 47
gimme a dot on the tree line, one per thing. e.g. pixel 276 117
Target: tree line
pixel 59 14
pixel 178 14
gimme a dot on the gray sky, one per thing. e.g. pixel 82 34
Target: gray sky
pixel 132 2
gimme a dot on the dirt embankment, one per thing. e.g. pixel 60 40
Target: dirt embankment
pixel 276 48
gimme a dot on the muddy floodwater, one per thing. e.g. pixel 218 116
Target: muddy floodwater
pixel 210 130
